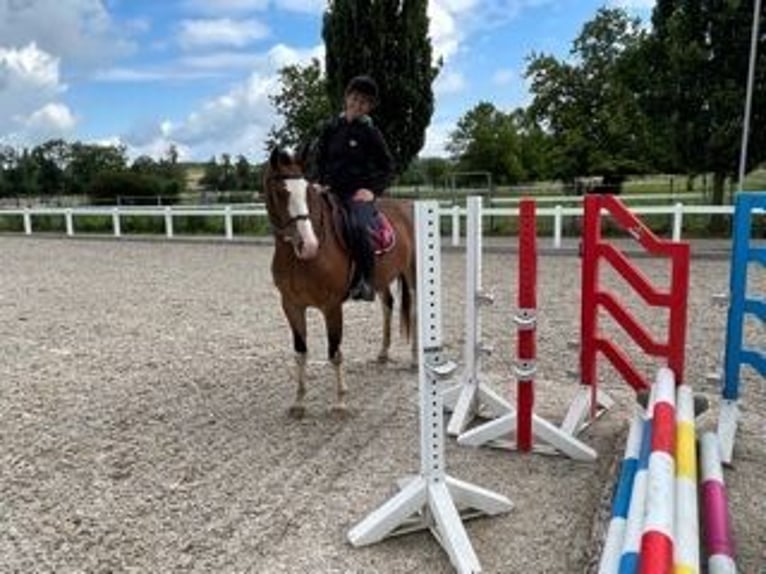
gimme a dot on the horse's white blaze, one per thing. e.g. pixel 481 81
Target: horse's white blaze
pixel 298 205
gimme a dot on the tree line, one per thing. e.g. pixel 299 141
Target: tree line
pixel 100 172
pixel 627 100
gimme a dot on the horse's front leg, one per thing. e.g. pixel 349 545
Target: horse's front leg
pixel 334 322
pixel 387 305
pixel 296 317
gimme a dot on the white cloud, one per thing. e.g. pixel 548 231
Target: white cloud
pixel 80 32
pixel 29 79
pixel 245 6
pixel 449 82
pixel 436 138
pixel 220 32
pixel 277 57
pixel 236 121
pixel 52 119
pixel 130 75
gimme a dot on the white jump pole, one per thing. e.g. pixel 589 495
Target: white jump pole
pixel 432 500
pixel 472 397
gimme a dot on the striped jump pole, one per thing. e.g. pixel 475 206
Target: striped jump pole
pixel 656 555
pixel 686 552
pixel 634 525
pixel 610 557
pixel 719 546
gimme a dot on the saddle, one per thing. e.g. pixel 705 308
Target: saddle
pixel 381 232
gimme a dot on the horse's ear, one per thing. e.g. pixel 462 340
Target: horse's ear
pixel 274 158
pixel 304 151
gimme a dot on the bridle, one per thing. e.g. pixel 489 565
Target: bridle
pixel 279 227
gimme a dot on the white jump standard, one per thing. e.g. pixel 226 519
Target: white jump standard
pixel 432 500
pixel 472 397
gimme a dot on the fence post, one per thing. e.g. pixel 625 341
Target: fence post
pixel 678 221
pixel 168 222
pixel 228 223
pixel 27 221
pixel 455 225
pixel 557 226
pixel 69 222
pixel 116 221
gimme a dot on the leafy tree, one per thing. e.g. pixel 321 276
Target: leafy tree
pixel 88 160
pixel 389 41
pixel 702 51
pixel 589 106
pixel 22 177
pixel 212 174
pixel 486 139
pixel 243 173
pixel 228 179
pixel 144 164
pixel 110 186
pixel 302 103
pixel 52 158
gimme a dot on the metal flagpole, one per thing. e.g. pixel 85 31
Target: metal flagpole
pixel 749 96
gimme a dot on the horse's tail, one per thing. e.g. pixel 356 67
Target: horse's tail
pixel 406 310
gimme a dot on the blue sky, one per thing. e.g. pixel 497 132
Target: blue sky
pixel 198 73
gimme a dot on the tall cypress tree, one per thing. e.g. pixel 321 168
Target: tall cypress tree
pixel 387 39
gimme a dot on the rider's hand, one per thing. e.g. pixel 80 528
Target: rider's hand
pixel 363 195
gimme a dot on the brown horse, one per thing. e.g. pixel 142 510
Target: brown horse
pixel 312 268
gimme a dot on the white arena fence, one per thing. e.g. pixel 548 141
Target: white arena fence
pixel 456 214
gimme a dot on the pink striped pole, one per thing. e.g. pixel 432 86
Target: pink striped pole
pixel 656 555
pixel 715 509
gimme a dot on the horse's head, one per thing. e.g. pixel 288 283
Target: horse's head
pixel 287 201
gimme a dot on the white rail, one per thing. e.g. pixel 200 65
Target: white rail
pixel 457 214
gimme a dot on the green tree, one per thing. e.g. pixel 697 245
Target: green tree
pixel 243 173
pixel 302 103
pixel 88 160
pixel 389 41
pixel 52 158
pixel 113 186
pixel 211 178
pixel 22 177
pixel 702 51
pixel 589 106
pixel 486 139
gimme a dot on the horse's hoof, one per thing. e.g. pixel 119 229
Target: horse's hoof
pixel 297 412
pixel 383 358
pixel 340 412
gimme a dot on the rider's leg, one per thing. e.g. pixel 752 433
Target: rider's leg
pixel 361 216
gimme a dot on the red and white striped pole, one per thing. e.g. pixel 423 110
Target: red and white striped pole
pixel 657 544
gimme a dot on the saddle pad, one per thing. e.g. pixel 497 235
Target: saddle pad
pixel 382 234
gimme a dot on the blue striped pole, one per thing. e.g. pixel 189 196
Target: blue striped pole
pixel 635 524
pixel 610 557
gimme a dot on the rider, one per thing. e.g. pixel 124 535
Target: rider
pixel 353 160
